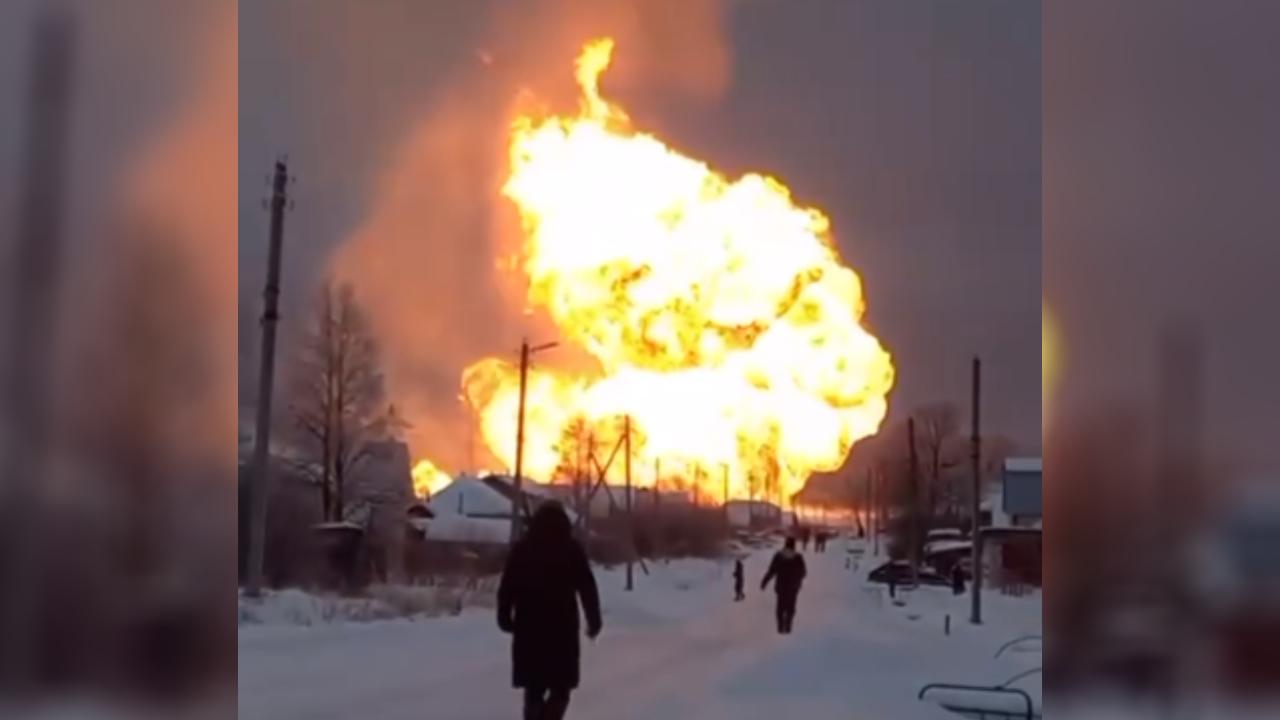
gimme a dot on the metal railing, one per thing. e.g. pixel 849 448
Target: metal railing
pixel 979 712
pixel 1017 641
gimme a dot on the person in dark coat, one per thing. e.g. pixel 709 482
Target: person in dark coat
pixel 546 576
pixel 738 595
pixel 788 571
pixel 957 579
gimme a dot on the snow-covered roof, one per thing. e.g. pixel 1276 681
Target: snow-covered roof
pixel 1023 464
pixel 468 495
pixel 939 546
pixel 485 497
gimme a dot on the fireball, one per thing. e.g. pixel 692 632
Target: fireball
pixel 719 314
pixel 428 479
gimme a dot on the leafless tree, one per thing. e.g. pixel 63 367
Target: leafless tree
pixel 937 427
pixel 339 395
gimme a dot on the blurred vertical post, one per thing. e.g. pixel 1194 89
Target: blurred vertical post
pixel 866 506
pixel 266 380
pixel 631 523
pixel 35 284
pixel 913 517
pixel 657 483
pixel 975 502
pixel 1180 413
pixel 878 490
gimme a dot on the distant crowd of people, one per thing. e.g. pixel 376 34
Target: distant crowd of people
pixel 819 538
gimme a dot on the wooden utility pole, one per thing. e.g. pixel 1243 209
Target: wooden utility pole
pixel 866 506
pixel 975 503
pixel 519 509
pixel 877 489
pixel 517 499
pixel 266 380
pixel 631 523
pixel 725 466
pixel 34 282
pixel 657 483
pixel 913 517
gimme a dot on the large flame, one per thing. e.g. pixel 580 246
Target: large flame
pixel 428 479
pixel 1048 360
pixel 718 311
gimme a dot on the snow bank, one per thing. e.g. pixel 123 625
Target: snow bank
pixel 381 602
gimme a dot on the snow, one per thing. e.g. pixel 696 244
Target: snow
pixel 1023 465
pixel 676 647
pixel 469 496
pixel 939 546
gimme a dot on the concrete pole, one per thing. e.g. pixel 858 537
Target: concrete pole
pixel 913 516
pixel 266 380
pixel 631 525
pixel 975 507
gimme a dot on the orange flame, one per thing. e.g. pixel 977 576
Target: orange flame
pixel 718 311
pixel 1049 363
pixel 428 479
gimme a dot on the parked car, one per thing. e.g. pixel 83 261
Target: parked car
pixel 900 572
pixel 944 555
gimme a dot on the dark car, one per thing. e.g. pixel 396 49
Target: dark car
pixel 900 572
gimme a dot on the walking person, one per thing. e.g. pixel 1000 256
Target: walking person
pixel 738 595
pixel 957 579
pixel 546 576
pixel 787 570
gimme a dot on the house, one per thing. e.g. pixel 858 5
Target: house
pixel 380 494
pixel 1022 491
pixel 1012 516
pixel 475 509
pixel 754 513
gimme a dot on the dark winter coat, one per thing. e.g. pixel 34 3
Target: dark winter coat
pixel 788 569
pixel 545 576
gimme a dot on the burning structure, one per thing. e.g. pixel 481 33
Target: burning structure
pixel 716 313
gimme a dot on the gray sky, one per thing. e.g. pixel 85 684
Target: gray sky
pixel 916 125
pixel 1161 170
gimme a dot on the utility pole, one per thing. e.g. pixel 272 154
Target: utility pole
pixel 913 519
pixel 631 524
pixel 35 281
pixel 725 467
pixel 266 381
pixel 866 506
pixel 519 510
pixel 975 505
pixel 877 489
pixel 657 483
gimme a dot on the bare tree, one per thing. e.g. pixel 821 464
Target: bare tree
pixel 937 425
pixel 573 448
pixel 339 406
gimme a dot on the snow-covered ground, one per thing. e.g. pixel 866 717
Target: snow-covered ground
pixel 676 647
